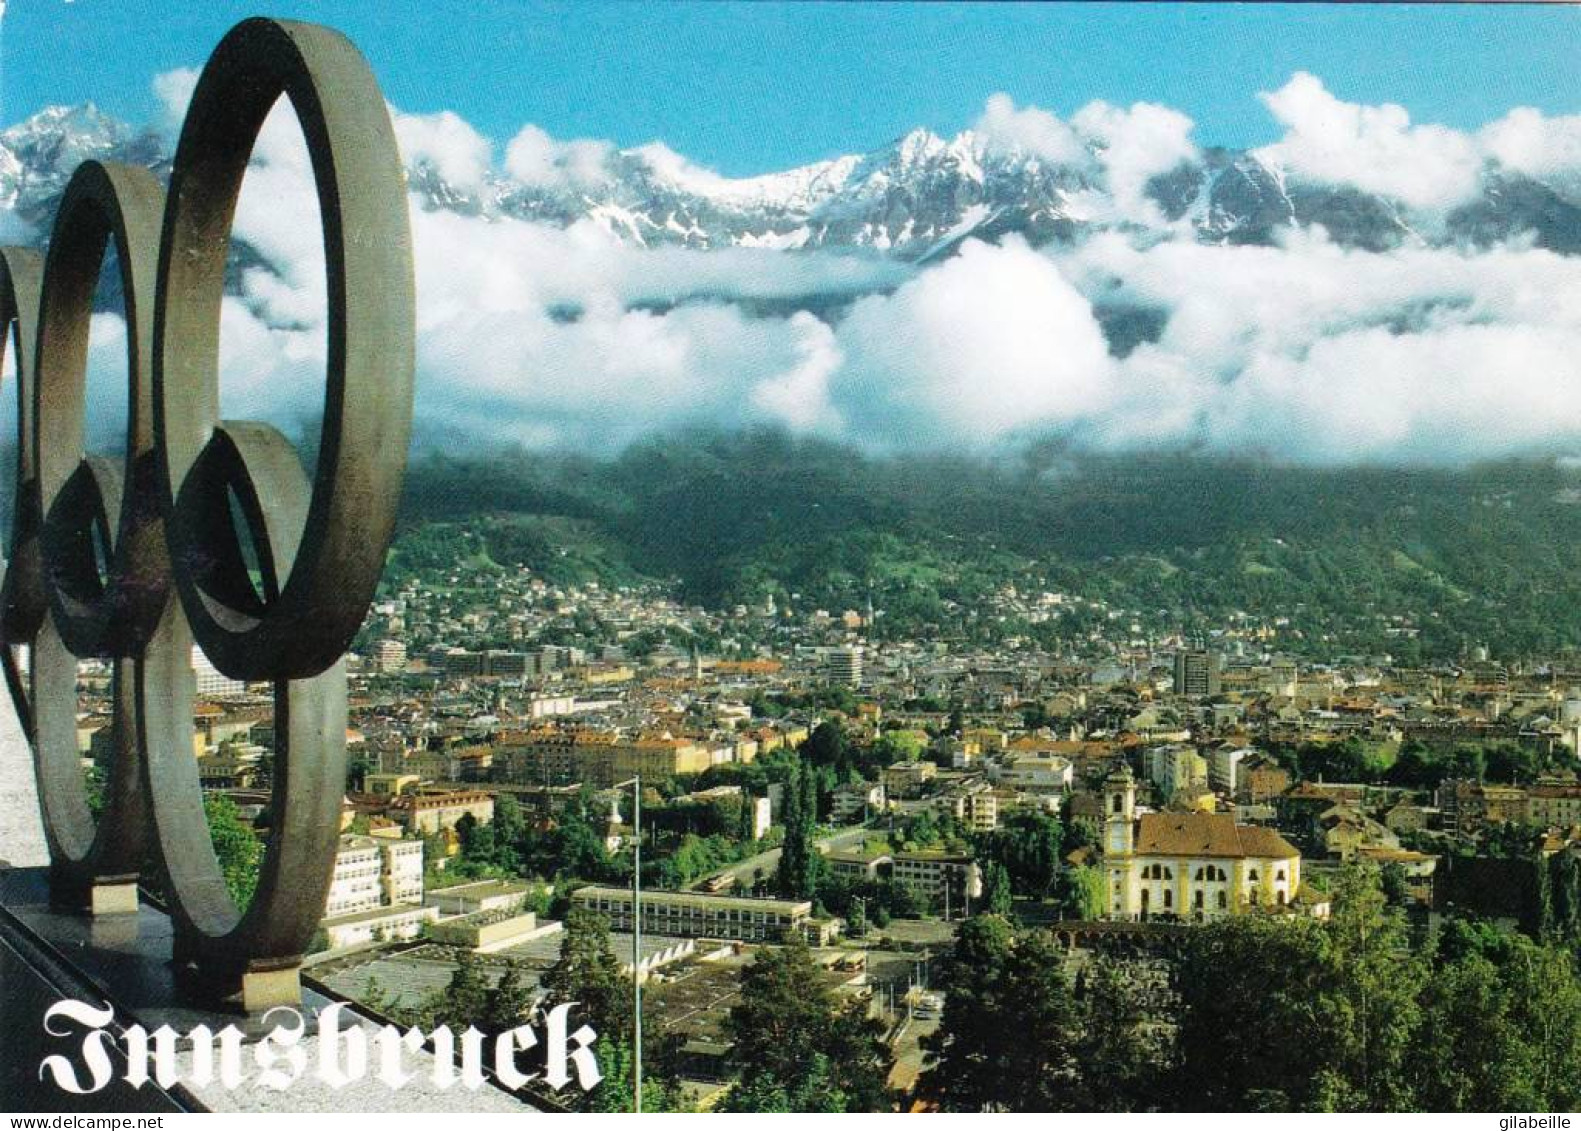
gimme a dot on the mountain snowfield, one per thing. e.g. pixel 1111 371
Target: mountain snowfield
pixel 1363 289
pixel 915 198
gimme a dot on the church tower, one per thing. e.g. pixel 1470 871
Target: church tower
pixel 1119 809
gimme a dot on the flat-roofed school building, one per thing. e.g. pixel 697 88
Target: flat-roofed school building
pixel 690 914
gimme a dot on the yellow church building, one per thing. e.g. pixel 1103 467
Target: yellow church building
pixel 1191 866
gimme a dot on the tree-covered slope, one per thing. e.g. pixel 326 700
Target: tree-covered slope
pixel 1491 554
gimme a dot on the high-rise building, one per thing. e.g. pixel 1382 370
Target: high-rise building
pixel 212 681
pixel 1196 673
pixel 845 665
pixel 389 656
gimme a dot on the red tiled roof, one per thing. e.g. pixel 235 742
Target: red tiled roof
pixel 1207 834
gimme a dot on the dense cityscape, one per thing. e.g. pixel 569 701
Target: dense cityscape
pixel 906 853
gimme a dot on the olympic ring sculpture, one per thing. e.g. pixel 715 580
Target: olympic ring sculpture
pixel 133 563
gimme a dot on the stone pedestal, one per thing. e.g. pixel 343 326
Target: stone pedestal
pixel 113 899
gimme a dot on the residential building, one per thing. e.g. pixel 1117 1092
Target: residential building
pixel 426 813
pixel 908 779
pixel 1554 803
pixel 855 801
pixel 389 656
pixel 977 807
pixel 1259 779
pixel 1224 767
pixel 1037 773
pixel 857 864
pixel 372 873
pixel 931 874
pixel 377 924
pixel 1176 769
pixel 211 682
pixel 481 895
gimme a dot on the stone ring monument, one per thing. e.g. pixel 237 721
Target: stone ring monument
pixel 135 561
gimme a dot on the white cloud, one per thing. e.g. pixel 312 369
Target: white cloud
pixel 457 152
pixel 799 397
pixel 669 166
pixel 174 90
pixel 1372 148
pixel 992 342
pixel 1037 131
pixel 1315 353
pixel 1529 142
pixel 536 159
pixel 1137 145
pixel 1123 148
pixel 1307 351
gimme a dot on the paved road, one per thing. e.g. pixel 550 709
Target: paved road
pixel 768 861
pixel 909 1057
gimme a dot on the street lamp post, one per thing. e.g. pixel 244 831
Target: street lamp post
pixel 636 939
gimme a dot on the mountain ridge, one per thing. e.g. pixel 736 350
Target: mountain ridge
pixel 1417 563
pixel 912 198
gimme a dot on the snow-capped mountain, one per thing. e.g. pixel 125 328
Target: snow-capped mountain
pixel 39 155
pixel 915 198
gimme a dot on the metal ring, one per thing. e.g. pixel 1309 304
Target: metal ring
pixel 22 602
pixel 99 615
pixel 259 465
pixel 82 502
pixel 324 594
pixel 221 940
pixel 96 546
pixel 321 544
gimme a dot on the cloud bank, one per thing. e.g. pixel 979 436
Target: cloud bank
pixel 566 337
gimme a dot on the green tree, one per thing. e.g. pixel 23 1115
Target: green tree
pixel 1564 885
pixel 508 1004
pixel 465 1000
pixel 856 919
pixel 615 1091
pixel 744 814
pixel 1028 845
pixel 788 1030
pixel 1079 893
pixel 826 746
pixel 797 876
pixel 1127 1049
pixel 510 824
pixel 236 847
pixel 1501 1024
pixel 996 889
pixel 1257 1014
pixel 358 767
pixel 1469 1055
pixel 966 1065
pixel 1012 1027
pixel 1377 980
pixel 588 972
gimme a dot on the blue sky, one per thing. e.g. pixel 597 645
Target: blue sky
pixel 746 89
